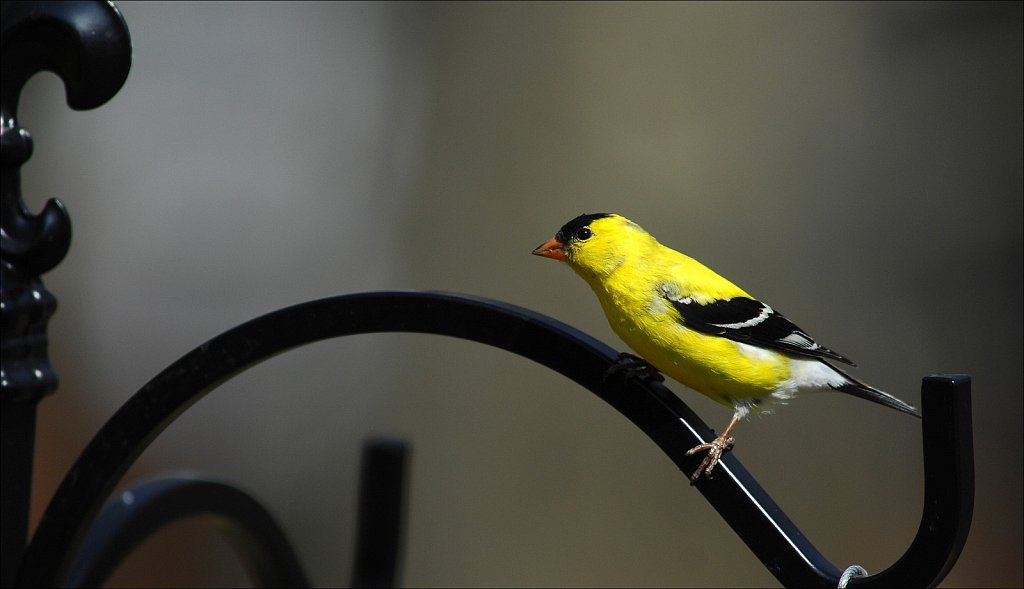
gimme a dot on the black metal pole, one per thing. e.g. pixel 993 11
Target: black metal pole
pixel 382 487
pixel 18 433
pixel 87 45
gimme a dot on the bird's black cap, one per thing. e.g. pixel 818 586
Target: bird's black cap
pixel 573 226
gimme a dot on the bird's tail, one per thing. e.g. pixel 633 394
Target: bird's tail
pixel 865 391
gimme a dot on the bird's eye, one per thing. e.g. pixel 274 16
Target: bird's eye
pixel 584 233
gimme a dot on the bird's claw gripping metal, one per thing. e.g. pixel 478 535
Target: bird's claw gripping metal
pixel 714 450
pixel 631 367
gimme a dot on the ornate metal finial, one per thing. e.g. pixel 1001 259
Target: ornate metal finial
pixel 87 45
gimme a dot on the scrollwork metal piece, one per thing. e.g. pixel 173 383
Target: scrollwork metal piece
pixel 739 499
pixel 87 45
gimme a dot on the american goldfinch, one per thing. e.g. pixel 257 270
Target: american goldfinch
pixel 697 327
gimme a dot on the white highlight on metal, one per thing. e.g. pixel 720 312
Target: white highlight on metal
pixel 724 467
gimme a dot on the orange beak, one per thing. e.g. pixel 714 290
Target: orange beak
pixel 551 248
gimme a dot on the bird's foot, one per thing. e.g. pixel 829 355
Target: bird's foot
pixel 714 450
pixel 633 367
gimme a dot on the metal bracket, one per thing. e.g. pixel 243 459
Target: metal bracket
pixel 746 507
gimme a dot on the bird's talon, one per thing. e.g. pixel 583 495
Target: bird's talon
pixel 632 367
pixel 714 451
pixel 699 448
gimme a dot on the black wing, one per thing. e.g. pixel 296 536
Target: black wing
pixel 746 320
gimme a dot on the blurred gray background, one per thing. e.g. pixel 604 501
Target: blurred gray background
pixel 858 166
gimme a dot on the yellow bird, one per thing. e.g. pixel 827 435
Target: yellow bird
pixel 697 327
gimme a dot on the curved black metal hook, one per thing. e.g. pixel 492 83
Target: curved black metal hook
pixel 948 487
pixel 141 510
pixel 652 407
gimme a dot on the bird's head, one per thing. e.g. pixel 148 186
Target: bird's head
pixel 595 244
